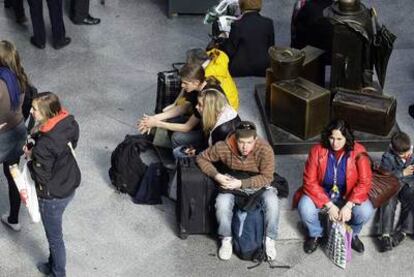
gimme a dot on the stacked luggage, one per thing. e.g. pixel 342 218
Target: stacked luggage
pixel 294 103
pixel 297 101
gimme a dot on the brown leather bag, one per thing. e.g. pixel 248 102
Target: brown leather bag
pixel 384 184
pixel 365 111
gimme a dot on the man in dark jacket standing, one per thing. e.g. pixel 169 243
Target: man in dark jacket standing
pixel 249 40
pixel 79 13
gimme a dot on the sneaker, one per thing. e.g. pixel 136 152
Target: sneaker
pixel 385 244
pixel 15 227
pixel 226 249
pixel 397 238
pixel 270 248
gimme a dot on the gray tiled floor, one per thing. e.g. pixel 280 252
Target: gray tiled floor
pixel 107 79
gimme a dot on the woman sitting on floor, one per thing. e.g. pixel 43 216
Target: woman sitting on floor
pixel 336 180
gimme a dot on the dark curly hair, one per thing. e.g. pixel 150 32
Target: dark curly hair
pixel 346 131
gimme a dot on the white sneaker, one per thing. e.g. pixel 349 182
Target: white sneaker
pixel 226 249
pixel 15 227
pixel 270 248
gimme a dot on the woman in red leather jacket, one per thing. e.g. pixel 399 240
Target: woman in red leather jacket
pixel 336 181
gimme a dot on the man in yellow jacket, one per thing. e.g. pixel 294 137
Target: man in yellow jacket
pixel 215 63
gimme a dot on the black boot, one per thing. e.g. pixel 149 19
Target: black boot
pixel 357 245
pixel 311 244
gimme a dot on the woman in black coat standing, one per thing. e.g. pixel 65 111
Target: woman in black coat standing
pixel 249 40
pixel 55 172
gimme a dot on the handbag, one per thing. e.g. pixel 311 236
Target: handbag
pixel 27 190
pixel 338 248
pixel 161 138
pixel 384 184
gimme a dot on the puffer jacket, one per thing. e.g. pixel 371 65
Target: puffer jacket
pixel 53 168
pixel 358 177
pixel 218 67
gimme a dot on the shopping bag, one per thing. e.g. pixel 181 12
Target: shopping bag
pixel 161 138
pixel 338 248
pixel 27 190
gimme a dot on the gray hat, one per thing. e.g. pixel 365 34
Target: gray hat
pixel 197 55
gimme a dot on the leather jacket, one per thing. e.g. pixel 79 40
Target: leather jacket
pixel 358 177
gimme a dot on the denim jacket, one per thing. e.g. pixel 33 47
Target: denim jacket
pixel 392 162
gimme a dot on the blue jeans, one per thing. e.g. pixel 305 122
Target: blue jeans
pixel 194 138
pixel 224 212
pixel 11 143
pixel 310 216
pixel 51 211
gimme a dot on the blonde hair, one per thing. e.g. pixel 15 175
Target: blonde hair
pixel 213 104
pixel 9 57
pixel 48 104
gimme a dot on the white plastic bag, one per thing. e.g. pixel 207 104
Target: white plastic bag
pixel 338 248
pixel 27 190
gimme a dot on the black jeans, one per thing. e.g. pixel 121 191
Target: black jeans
pixel 17 6
pixel 79 10
pixel 387 211
pixel 14 196
pixel 56 20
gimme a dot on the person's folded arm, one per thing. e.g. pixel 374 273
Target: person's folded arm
pixel 179 127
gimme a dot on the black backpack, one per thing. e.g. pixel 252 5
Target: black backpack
pixel 127 168
pixel 248 234
pixel 152 186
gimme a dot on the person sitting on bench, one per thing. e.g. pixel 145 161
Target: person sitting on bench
pixel 243 151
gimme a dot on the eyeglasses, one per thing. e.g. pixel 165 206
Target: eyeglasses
pixel 245 126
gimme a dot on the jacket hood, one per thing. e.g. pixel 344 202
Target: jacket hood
pixel 51 122
pixel 231 142
pixel 63 126
pixel 218 66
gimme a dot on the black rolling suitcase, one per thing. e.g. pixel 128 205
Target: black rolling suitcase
pixel 168 87
pixel 196 194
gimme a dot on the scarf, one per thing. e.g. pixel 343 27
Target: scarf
pixel 12 86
